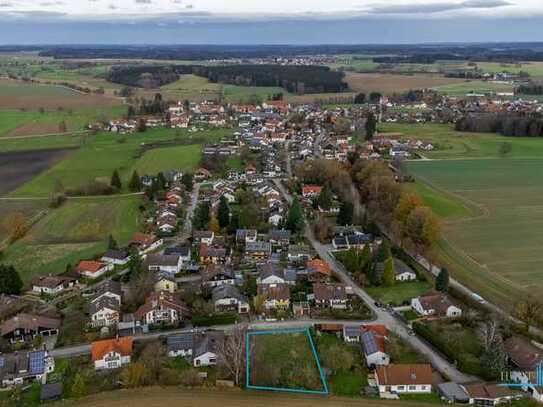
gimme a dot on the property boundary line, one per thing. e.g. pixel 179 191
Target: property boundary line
pixel 307 333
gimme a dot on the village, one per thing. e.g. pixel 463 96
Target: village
pixel 273 243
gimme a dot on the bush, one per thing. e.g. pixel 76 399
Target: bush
pixel 190 378
pixel 92 188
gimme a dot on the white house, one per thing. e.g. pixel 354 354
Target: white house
pixel 52 285
pixel 435 305
pixel 93 269
pixel 105 311
pixel 373 340
pixel 403 379
pixel 111 353
pixel 117 257
pixel 166 263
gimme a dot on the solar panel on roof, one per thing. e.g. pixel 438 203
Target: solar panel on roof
pixel 36 362
pixel 368 343
pixel 2 361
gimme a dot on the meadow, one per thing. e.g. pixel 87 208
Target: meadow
pixel 77 230
pixel 473 86
pixel 495 250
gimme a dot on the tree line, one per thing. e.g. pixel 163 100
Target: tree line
pixel 511 125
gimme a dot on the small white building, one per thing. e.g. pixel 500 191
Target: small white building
pixel 403 379
pixel 435 305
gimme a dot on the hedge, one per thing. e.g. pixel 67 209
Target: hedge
pixel 218 319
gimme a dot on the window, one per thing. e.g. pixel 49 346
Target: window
pixel 401 388
pixel 412 387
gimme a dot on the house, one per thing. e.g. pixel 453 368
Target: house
pixel 482 394
pixel 181 344
pixel 279 237
pixel 524 358
pixel 25 327
pixel 227 297
pixel 331 295
pixel 435 305
pixel 403 379
pixel 182 251
pixel 104 311
pixel 258 250
pixel 130 326
pixel 201 174
pixel 373 341
pixel 311 191
pixel 352 333
pixel 111 353
pixel 206 345
pixel 299 253
pixel 107 288
pixel 25 366
pixel 162 308
pixel 318 270
pixel 276 296
pixel 215 275
pixel 402 272
pixel 271 273
pixel 214 254
pixel 93 269
pixel 145 243
pixel 246 235
pixel 203 236
pixel 52 285
pixel 118 257
pixel 164 282
pixel 165 263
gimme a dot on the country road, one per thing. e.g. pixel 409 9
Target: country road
pixel 383 317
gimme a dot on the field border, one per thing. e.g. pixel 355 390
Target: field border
pixel 306 331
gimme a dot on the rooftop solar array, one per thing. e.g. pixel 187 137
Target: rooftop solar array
pixel 2 361
pixel 182 341
pixel 368 343
pixel 36 362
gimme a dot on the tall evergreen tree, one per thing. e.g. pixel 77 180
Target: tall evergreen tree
pixel 383 253
pixel 345 215
pixel 234 222
pixel 325 198
pixel 224 213
pixel 10 281
pixel 371 126
pixel 187 181
pixel 442 280
pixel 135 183
pixel 295 221
pixel 112 243
pixel 201 216
pixel 388 273
pixel 116 180
pixel 161 181
pixel 373 277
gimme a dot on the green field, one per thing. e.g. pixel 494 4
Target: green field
pixel 78 229
pixel 101 154
pixel 12 88
pixel 534 69
pixel 496 249
pixel 182 158
pixel 41 143
pixel 476 86
pixel 399 293
pixel 250 94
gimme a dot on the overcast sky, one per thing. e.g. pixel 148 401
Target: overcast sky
pixel 276 21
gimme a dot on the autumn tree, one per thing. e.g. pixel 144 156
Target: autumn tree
pixel 213 225
pixel 15 224
pixel 323 229
pixel 133 375
pixel 78 388
pixel 231 353
pixel 62 127
pixel 529 310
pixel 422 228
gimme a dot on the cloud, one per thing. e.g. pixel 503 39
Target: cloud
pixel 431 8
pixel 142 1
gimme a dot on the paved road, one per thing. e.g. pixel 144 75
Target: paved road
pixel 382 316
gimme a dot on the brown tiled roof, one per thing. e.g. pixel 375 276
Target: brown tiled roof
pixel 327 292
pixel 319 266
pixel 392 375
pixel 143 239
pixel 51 281
pixel 438 302
pixel 487 391
pixel 163 300
pixel 275 291
pixel 29 321
pixel 121 345
pixel 89 266
pixel 522 353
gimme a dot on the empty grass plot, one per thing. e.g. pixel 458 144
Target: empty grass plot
pixel 283 360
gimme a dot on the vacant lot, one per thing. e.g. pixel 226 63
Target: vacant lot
pixel 78 229
pixel 158 397
pixel 22 95
pixel 399 293
pixel 389 83
pixel 496 249
pixel 16 168
pixel 283 360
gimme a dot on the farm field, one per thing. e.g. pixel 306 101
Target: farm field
pixel 475 86
pixel 248 94
pixel 23 143
pixel 495 250
pixel 534 69
pixel 283 360
pixel 99 155
pixel 189 87
pixel 21 95
pixel 160 396
pixel 78 229
pixel 394 83
pixel 19 167
pixel 183 158
pixel 25 123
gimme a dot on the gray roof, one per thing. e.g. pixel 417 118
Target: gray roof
pixel 258 246
pixel 271 269
pixel 279 234
pixel 104 302
pixel 368 343
pixel 227 291
pixel 162 260
pixel 207 342
pixel 352 330
pixel 452 391
pixel 117 254
pixel 182 341
pixel 107 286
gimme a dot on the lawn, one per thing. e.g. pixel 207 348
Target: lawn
pixel 99 155
pixel 283 360
pixel 79 229
pixel 495 250
pixel 181 158
pixel 399 293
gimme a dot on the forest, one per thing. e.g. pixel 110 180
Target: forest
pixel 505 124
pixel 294 79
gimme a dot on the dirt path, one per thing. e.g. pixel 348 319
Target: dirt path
pixel 171 396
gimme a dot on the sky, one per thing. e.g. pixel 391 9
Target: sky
pixel 268 22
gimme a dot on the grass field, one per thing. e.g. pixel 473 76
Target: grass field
pixel 496 250
pixel 78 229
pixel 101 154
pixel 283 360
pixel 399 293
pixel 478 87
pixel 534 69
pixel 183 158
pixel 40 142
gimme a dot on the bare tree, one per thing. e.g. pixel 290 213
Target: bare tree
pixel 231 353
